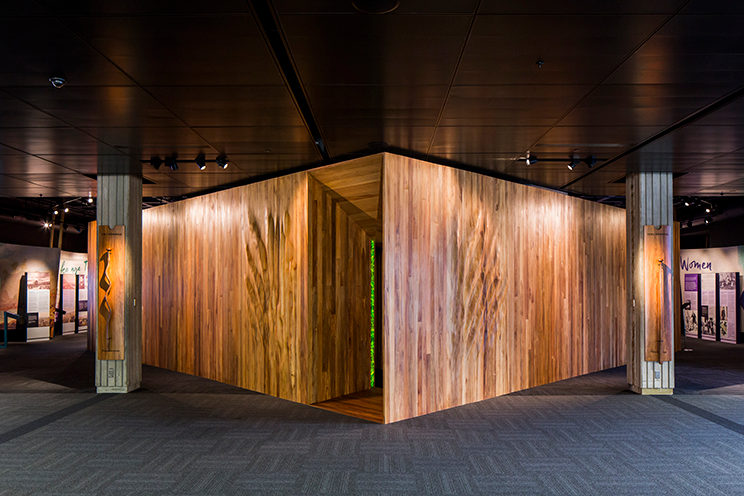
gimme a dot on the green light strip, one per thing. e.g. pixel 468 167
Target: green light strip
pixel 372 316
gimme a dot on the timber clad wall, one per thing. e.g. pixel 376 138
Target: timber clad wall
pixel 226 288
pixel 339 296
pixel 491 287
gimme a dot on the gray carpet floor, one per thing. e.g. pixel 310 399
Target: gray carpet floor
pixel 186 435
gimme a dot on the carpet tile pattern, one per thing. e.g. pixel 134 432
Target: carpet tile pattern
pixel 184 435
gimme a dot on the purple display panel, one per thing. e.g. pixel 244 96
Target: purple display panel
pixel 691 295
pixel 708 306
pixel 727 316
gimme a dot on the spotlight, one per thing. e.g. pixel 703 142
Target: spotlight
pixel 56 212
pixel 687 204
pixel 590 161
pixel 171 163
pixel 200 161
pixel 573 164
pixel 47 225
pixel 222 161
pixel 156 162
pixel 708 220
pixel 90 199
pixel 67 209
pixel 530 160
pixel 707 210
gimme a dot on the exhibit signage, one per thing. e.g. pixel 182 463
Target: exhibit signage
pixel 728 283
pixel 691 312
pixel 38 292
pixel 708 306
pixel 67 304
pixel 111 277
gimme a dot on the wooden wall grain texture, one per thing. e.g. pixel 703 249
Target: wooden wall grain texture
pixel 339 296
pixel 228 285
pixel 491 287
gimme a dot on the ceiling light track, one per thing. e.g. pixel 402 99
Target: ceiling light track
pixel 269 26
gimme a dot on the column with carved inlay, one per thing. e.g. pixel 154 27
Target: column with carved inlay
pixel 119 283
pixel 650 272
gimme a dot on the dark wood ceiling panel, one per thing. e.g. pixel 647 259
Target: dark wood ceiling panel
pixel 59 181
pixel 576 49
pixel 690 49
pixel 346 7
pixel 84 164
pixel 643 104
pixel 230 105
pixel 183 50
pixel 415 50
pixel 21 163
pixel 37 48
pixel 510 105
pixel 497 140
pixel 55 140
pixel 145 7
pixel 580 7
pixel 100 106
pixel 377 105
pixel 16 113
pixel 714 7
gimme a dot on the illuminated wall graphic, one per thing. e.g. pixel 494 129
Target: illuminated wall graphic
pixel 111 270
pixel 372 313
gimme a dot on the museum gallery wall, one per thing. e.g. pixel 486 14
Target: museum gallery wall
pixel 264 286
pixel 492 287
pixel 487 286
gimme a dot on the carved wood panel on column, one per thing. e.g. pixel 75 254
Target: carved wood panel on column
pixel 492 287
pixel 120 203
pixel 649 202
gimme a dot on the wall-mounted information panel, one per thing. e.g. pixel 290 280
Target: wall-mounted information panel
pixel 657 245
pixel 110 308
pixel 691 312
pixel 708 306
pixel 728 291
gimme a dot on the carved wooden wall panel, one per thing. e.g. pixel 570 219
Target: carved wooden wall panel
pixel 227 294
pixel 492 287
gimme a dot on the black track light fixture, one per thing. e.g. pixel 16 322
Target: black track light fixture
pixel 201 161
pixel 156 162
pixel 222 161
pixel 689 223
pixel 574 162
pixel 529 160
pixel 590 161
pixel 708 220
pixel 171 163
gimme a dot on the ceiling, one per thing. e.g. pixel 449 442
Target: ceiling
pixel 279 85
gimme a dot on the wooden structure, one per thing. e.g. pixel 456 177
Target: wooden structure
pixel 487 286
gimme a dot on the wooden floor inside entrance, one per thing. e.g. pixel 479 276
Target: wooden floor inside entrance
pixel 365 405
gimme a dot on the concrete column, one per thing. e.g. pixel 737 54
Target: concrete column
pixel 648 198
pixel 120 203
